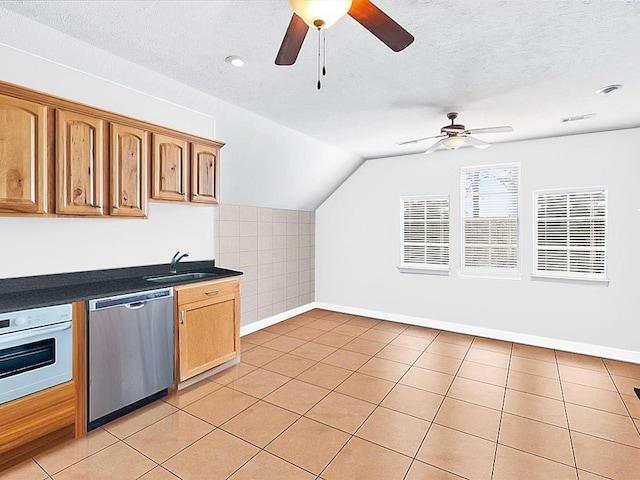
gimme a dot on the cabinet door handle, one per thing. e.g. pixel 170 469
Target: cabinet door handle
pixel 182 317
pixel 212 292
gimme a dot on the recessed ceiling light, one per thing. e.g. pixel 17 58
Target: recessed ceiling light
pixel 236 61
pixel 609 88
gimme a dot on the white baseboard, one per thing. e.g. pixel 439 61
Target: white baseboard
pixel 267 322
pixel 564 345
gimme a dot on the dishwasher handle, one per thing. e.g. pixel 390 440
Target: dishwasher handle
pixel 136 305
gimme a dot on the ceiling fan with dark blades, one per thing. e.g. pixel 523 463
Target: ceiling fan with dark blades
pixel 455 135
pixel 321 14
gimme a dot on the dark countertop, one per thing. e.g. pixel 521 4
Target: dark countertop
pixel 43 290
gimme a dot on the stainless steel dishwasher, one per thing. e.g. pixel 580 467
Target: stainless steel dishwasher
pixel 130 353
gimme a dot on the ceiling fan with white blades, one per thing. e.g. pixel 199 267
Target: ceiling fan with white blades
pixel 321 14
pixel 455 135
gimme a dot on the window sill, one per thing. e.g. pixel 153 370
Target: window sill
pixel 424 271
pixel 581 281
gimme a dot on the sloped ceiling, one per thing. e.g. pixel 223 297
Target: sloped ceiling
pixel 524 63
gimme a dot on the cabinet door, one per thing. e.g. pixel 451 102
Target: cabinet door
pixel 208 334
pixel 79 164
pixel 129 164
pixel 204 173
pixel 170 163
pixel 23 153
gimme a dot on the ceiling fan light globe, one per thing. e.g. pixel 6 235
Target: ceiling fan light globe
pixel 320 14
pixel 453 142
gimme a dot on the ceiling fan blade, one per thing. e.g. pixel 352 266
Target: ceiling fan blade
pixel 292 41
pixel 381 25
pixel 473 131
pixel 419 139
pixel 476 143
pixel 434 147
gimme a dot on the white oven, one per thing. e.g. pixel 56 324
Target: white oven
pixel 35 350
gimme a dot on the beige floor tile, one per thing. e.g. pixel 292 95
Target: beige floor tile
pixel 429 380
pixel 594 398
pixel 399 354
pixel 217 455
pixel 439 363
pixel 513 464
pixel 455 338
pixel 633 405
pixel 535 407
pixel 297 396
pixel 324 324
pixel 409 341
pixel 341 411
pixel 609 426
pixel 331 339
pixel 305 333
pixel 488 357
pixel 422 471
pixel 469 418
pixel 317 313
pixel 289 365
pixel 609 459
pixel 459 453
pixel 117 461
pixel 259 383
pixel 74 450
pixel 447 349
pixel 394 430
pixel 586 377
pixel 365 387
pixel 281 328
pixel 360 459
pixel 159 473
pixel 259 337
pixel 284 343
pixel 220 406
pixel 325 376
pixel 541 439
pixel 167 437
pixel 582 475
pixel 376 335
pixel 28 470
pixel 186 396
pixel 498 346
pixel 534 384
pixel 260 423
pixel 393 327
pixel 246 346
pixel 346 359
pixel 580 361
pixel 480 393
pixel 363 321
pixel 413 401
pixel 313 351
pixel 265 466
pixel 232 373
pixel 422 332
pixel 260 355
pixel 309 444
pixel 483 373
pixel 350 329
pixel 385 369
pixel 623 369
pixel 534 367
pixel 361 345
pixel 537 353
pixel 303 319
pixel 141 418
pixel 338 317
pixel 625 385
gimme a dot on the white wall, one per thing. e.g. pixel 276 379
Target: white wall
pixel 357 243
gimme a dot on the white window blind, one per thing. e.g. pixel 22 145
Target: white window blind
pixel 489 207
pixel 425 232
pixel 570 233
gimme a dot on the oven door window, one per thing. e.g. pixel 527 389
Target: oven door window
pixel 31 356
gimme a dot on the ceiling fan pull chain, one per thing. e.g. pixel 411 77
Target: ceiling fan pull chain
pixel 324 53
pixel 319 57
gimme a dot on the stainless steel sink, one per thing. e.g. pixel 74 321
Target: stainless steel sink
pixel 170 277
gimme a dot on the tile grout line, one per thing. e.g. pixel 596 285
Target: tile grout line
pixel 504 398
pixel 564 405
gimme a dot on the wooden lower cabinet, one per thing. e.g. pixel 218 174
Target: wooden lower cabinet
pixel 208 318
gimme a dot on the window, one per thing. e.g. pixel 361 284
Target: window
pixel 425 233
pixel 489 204
pixel 570 233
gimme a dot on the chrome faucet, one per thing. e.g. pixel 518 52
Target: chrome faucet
pixel 175 260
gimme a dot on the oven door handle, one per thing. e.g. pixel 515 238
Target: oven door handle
pixel 34 332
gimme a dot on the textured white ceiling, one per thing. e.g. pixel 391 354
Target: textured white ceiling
pixel 524 63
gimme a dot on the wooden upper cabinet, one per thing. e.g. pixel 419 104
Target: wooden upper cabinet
pixel 205 181
pixel 79 164
pixel 23 153
pixel 170 168
pixel 129 155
